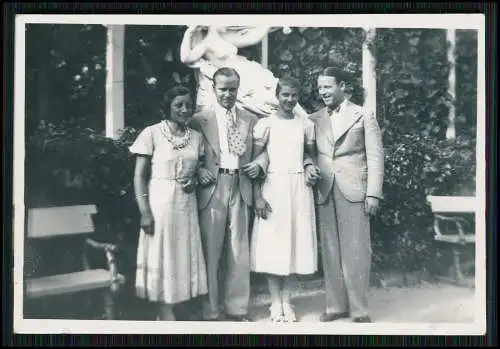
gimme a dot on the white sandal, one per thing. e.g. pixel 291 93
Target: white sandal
pixel 276 313
pixel 289 313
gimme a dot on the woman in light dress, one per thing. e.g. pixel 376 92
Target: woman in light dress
pixel 209 48
pixel 284 236
pixel 170 262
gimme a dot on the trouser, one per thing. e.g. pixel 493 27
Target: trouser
pixel 224 226
pixel 344 229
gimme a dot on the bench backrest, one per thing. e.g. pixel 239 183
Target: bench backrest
pixel 59 221
pixel 452 204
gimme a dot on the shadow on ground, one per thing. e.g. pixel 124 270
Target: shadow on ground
pixel 427 302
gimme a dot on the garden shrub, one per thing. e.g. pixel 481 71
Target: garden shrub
pixel 416 166
pixel 71 165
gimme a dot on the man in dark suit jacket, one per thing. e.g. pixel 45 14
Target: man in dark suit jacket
pixel 225 198
pixel 350 159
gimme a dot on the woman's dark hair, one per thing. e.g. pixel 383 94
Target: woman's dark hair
pixel 169 96
pixel 289 81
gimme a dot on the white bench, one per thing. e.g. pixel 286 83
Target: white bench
pixel 47 223
pixel 449 209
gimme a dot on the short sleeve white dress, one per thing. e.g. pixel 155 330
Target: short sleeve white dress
pixel 170 263
pixel 286 242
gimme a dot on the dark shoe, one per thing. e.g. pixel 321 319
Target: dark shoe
pixel 362 319
pixel 237 318
pixel 328 317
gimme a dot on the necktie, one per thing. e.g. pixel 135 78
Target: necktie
pixel 235 143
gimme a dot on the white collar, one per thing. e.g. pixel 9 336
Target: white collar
pixel 341 106
pixel 219 110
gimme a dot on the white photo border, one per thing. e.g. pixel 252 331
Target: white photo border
pixel 434 21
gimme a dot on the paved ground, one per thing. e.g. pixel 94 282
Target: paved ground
pixel 421 303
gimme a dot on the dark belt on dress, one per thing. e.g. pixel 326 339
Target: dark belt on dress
pixel 228 171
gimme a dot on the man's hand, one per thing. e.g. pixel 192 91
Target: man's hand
pixel 262 208
pixel 312 174
pixel 372 206
pixel 251 169
pixel 205 177
pixel 147 223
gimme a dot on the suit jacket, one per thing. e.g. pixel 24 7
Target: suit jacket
pixel 205 122
pixel 354 157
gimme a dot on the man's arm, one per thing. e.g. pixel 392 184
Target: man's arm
pixel 374 156
pixel 262 160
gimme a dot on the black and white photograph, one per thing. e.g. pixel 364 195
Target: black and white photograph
pixel 264 174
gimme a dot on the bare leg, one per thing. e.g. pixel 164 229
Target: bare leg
pixel 288 284
pixel 273 283
pixel 165 312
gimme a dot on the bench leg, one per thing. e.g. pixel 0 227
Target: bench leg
pixel 110 301
pixel 456 262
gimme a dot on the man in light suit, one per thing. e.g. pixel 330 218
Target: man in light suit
pixel 350 160
pixel 225 197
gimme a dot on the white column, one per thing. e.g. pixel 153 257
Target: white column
pixel 115 109
pixel 451 132
pixel 264 48
pixel 369 74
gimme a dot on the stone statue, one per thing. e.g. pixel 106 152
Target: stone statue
pixel 207 48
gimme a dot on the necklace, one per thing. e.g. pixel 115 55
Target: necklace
pixel 177 142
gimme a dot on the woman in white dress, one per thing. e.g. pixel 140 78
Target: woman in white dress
pixel 209 48
pixel 170 261
pixel 284 238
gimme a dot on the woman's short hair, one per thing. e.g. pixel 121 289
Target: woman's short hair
pixel 288 81
pixel 169 96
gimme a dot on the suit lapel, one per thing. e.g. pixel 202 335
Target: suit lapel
pixel 347 118
pixel 211 130
pixel 325 125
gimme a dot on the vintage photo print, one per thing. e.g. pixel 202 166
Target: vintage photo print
pixel 265 174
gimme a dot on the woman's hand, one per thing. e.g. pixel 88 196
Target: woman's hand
pixel 262 208
pixel 205 177
pixel 188 185
pixel 147 223
pixel 312 174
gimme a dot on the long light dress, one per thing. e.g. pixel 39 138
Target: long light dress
pixel 170 264
pixel 285 243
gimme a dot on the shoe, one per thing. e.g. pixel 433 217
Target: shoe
pixel 362 319
pixel 288 313
pixel 237 318
pixel 328 317
pixel 276 313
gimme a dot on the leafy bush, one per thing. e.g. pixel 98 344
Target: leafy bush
pixel 466 82
pixel 306 51
pixel 417 166
pixel 71 165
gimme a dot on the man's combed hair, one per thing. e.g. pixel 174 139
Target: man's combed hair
pixel 227 72
pixel 339 74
